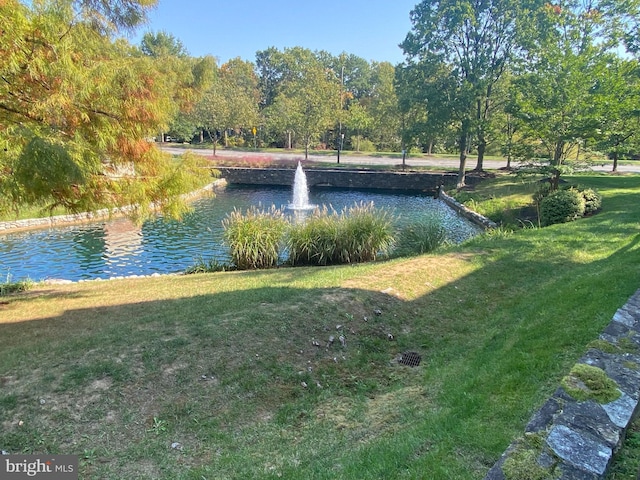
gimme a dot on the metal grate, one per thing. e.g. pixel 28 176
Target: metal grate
pixel 411 359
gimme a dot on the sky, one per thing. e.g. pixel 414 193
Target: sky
pixel 371 29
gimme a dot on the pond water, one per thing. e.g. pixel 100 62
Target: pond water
pixel 118 247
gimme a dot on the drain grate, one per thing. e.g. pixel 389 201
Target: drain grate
pixel 411 359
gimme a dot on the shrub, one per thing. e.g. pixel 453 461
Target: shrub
pixel 592 201
pixel 421 237
pixel 561 206
pixel 358 234
pixel 255 237
pixel 367 145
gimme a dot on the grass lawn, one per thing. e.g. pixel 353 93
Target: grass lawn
pixel 234 375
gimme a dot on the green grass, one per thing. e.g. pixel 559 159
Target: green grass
pixel 238 367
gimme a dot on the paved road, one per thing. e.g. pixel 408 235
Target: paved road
pixel 448 163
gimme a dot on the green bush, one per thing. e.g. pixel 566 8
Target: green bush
pixel 592 201
pixel 357 234
pixel 421 237
pixel 561 206
pixel 255 237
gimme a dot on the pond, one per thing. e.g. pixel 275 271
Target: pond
pixel 118 247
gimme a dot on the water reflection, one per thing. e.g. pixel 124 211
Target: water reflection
pixel 119 248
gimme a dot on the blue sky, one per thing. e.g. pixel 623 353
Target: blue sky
pixel 371 29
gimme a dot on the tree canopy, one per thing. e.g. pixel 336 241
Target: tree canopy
pixel 78 104
pixel 80 107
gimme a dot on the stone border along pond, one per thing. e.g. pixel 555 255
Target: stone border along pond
pixel 57 220
pixel 577 431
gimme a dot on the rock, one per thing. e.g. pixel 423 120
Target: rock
pixel 176 446
pixel 580 451
pixel 343 341
pixel 377 311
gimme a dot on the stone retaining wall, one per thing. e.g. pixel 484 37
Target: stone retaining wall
pixel 575 439
pixel 469 214
pixel 57 220
pixel 344 178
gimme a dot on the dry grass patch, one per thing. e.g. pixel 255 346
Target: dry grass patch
pixel 413 278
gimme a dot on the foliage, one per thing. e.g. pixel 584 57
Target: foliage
pixel 592 200
pixel 254 237
pixel 364 144
pixel 561 206
pixel 87 102
pixel 421 237
pixel 357 234
pixel 470 44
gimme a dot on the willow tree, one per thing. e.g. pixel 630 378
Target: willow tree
pixel 78 105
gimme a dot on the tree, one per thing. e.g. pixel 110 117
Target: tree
pixel 474 40
pixel 569 47
pixel 162 44
pixel 432 111
pixel 383 106
pixel 231 102
pixel 302 86
pixel 616 107
pixel 358 120
pixel 80 106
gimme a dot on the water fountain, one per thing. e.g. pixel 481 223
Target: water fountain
pixel 300 192
pixel 104 250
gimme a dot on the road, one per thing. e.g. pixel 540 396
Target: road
pixel 448 163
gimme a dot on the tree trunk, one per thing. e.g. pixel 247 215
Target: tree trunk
pixel 306 147
pixel 557 154
pixel 614 157
pixel 430 149
pixel 464 134
pixel 482 146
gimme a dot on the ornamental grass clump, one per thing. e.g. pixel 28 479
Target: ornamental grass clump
pixel 365 233
pixel 420 237
pixel 255 237
pixel 314 241
pixel 357 234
